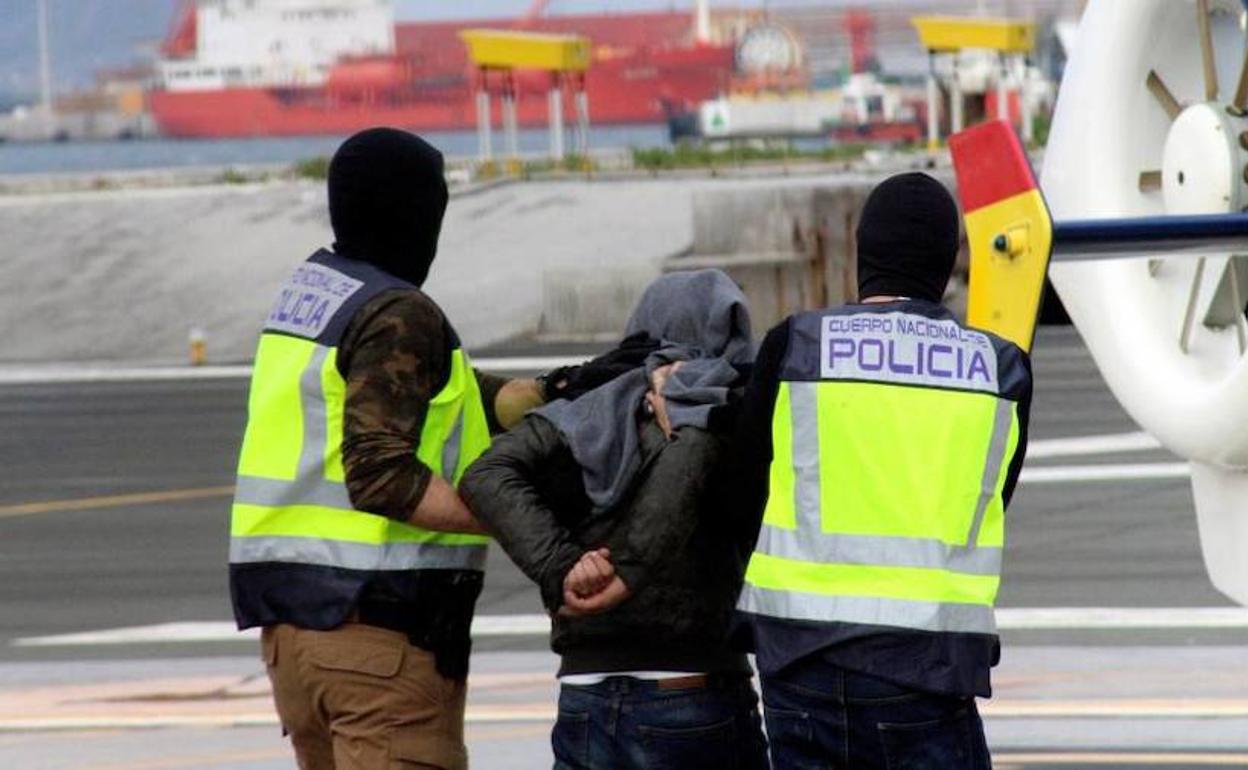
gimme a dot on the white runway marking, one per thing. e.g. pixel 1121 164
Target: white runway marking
pixel 38 376
pixel 1008 619
pixel 544 714
pixel 197 632
pixel 1138 441
pixel 1059 474
pixel 510 625
pixel 1008 759
pixel 1120 618
pixel 77 374
pixel 190 632
pixel 528 363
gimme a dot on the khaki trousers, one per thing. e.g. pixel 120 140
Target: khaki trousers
pixel 363 698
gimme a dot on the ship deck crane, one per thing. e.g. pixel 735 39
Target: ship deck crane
pixel 860 25
pixel 45 62
pixel 183 32
pixel 537 9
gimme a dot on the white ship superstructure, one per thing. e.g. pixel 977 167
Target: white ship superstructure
pixel 273 43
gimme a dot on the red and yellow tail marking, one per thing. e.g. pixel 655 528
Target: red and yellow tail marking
pixel 1008 229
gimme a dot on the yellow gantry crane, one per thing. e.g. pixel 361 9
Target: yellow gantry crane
pixel 497 54
pixel 1010 39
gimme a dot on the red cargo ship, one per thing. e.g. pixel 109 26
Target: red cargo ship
pixel 238 68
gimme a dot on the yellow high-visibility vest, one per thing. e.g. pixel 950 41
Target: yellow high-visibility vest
pixel 893 434
pixel 295 537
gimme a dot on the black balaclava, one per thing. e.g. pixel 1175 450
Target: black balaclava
pixel 387 195
pixel 907 239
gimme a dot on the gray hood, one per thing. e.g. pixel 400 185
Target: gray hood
pixel 698 317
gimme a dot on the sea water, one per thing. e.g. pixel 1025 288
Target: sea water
pixel 86 157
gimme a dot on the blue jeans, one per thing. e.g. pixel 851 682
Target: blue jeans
pixel 820 717
pixel 629 724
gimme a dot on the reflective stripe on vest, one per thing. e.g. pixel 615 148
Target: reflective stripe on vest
pixel 291 504
pixel 885 501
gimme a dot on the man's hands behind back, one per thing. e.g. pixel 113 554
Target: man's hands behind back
pixel 592 586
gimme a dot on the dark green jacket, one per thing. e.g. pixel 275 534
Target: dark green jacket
pixel 682 560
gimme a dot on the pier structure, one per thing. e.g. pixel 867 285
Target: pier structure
pixel 498 55
pixel 1003 45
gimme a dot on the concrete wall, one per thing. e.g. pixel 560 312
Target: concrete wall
pixel 791 247
pixel 125 275
pixel 585 304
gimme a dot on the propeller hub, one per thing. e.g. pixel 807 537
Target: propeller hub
pixel 1202 166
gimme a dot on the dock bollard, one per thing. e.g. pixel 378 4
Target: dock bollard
pixel 199 346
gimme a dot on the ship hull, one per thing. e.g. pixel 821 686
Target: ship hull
pixel 253 112
pixel 262 112
pixel 641 74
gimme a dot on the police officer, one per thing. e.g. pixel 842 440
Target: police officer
pixel 349 544
pixel 881 442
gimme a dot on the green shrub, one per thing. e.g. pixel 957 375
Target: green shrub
pixel 234 176
pixel 705 155
pixel 313 168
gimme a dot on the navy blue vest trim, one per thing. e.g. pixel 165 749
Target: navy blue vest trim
pixel 434 607
pixel 374 280
pixel 317 303
pixel 322 597
pixel 310 596
pixel 948 663
pixel 906 343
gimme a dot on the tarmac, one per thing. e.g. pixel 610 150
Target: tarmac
pixel 1052 704
pixel 113 512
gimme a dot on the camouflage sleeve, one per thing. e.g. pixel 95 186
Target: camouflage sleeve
pixel 394 357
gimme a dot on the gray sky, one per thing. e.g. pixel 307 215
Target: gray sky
pixel 441 9
pixel 460 9
pixel 88 35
